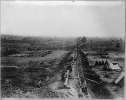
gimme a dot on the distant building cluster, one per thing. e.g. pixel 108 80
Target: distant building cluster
pixel 105 65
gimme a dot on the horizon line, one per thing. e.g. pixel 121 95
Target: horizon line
pixel 62 36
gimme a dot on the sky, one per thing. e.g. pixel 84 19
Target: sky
pixel 63 18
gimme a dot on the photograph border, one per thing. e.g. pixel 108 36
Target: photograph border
pixel 59 1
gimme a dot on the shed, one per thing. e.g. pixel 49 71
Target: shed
pixel 114 66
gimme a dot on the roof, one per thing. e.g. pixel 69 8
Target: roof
pixel 120 77
pixel 114 66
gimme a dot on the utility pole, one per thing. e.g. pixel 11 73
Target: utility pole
pixel 78 41
pixel 77 48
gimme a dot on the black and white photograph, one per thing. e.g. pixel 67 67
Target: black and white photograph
pixel 62 49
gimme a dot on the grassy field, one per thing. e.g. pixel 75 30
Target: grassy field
pixel 30 83
pixel 18 60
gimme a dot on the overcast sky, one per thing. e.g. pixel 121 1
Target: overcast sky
pixel 46 18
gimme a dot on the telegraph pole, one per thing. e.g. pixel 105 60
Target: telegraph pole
pixel 78 40
pixel 77 48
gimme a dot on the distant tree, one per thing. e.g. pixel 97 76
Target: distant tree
pixel 102 62
pixel 78 39
pixel 3 40
pixel 83 39
pixel 117 45
pixel 106 62
pixel 112 40
pixel 96 63
pixel 90 41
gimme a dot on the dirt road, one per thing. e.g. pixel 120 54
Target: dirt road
pixel 72 85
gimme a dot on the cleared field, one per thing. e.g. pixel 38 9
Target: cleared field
pixel 31 79
pixel 15 60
